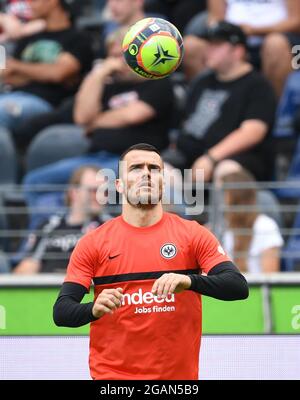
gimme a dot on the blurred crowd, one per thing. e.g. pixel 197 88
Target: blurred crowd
pixel 69 107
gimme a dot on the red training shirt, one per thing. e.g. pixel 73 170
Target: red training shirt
pixel 146 338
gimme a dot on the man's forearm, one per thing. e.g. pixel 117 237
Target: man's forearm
pixel 224 282
pixel 88 99
pixel 216 9
pixel 238 141
pixel 68 311
pixel 111 119
pixel 289 25
pixel 39 72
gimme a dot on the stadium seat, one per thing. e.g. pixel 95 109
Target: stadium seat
pixel 8 158
pixel 56 143
pixel 4 264
pixel 293 177
pixel 269 205
pixel 291 252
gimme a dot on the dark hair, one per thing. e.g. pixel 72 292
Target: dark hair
pixel 139 146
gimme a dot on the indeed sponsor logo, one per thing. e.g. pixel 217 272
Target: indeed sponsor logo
pixel 145 298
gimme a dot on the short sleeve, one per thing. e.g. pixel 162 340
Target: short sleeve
pixel 266 235
pixel 158 94
pixel 81 265
pixel 261 103
pixel 80 48
pixel 207 248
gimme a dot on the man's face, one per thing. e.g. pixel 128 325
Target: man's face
pixel 141 178
pixel 125 74
pixel 219 56
pixel 41 8
pixel 88 195
pixel 122 10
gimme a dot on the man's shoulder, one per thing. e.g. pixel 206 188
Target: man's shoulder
pixel 181 222
pixel 205 77
pixel 256 78
pixel 64 35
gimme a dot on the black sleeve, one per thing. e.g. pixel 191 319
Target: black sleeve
pixel 158 94
pixel 80 47
pixel 261 102
pixel 223 282
pixel 67 310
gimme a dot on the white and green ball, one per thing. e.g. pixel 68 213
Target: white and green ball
pixel 153 48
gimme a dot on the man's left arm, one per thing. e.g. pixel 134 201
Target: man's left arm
pixel 137 112
pixel 65 67
pixel 222 281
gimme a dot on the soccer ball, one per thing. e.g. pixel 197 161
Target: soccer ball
pixel 153 48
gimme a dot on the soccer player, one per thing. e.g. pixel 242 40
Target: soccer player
pixel 149 269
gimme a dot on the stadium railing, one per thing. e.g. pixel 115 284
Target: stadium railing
pixel 14 215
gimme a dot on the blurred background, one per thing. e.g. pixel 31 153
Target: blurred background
pixel 231 109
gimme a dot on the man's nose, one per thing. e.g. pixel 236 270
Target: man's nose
pixel 146 171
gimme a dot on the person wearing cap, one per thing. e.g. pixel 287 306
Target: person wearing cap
pixel 229 111
pixel 272 28
pixel 46 67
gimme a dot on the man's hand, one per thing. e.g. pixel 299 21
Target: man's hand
pixel 11 76
pixel 204 163
pixel 171 283
pixel 108 67
pixel 107 302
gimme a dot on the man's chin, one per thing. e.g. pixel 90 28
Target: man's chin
pixel 146 202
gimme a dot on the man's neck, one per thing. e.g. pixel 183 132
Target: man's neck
pixel 76 217
pixel 141 217
pixel 237 71
pixel 57 21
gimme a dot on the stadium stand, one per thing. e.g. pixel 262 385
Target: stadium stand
pixel 54 139
pixel 56 143
pixel 8 158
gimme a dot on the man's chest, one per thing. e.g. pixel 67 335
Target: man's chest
pixel 145 254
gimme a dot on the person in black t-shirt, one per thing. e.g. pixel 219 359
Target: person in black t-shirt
pixel 46 67
pixel 50 251
pixel 229 111
pixel 117 109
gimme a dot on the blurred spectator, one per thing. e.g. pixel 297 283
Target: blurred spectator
pixel 176 11
pixel 287 109
pixel 253 240
pixel 125 12
pixel 118 108
pixel 229 111
pixel 47 66
pixel 15 21
pixel 272 24
pixel 4 264
pixel 286 134
pixel 120 13
pixel 50 251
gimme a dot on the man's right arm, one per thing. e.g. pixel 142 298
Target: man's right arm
pixel 67 310
pixel 89 96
